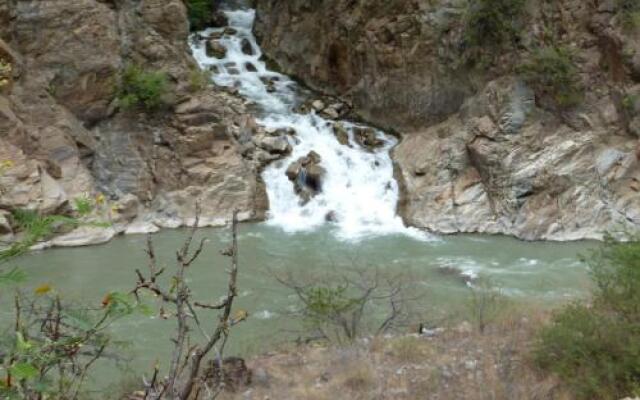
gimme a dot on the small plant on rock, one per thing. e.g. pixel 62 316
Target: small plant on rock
pixel 629 11
pixel 83 205
pixel 199 79
pixel 553 74
pixel 141 88
pixel 493 23
pixel 35 228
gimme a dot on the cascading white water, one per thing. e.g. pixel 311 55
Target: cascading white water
pixel 358 190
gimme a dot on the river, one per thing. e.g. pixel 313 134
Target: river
pixel 361 195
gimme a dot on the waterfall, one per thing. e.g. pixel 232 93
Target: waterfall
pixel 359 193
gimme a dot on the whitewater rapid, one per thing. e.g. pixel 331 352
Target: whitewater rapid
pixel 359 189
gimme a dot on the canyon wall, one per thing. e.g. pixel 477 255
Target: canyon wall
pixel 64 136
pixel 483 148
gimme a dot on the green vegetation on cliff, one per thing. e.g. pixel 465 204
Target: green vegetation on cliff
pixel 493 23
pixel 141 88
pixel 630 12
pixel 199 13
pixel 552 73
pixel 595 348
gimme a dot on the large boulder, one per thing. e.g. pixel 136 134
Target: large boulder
pixel 274 144
pixel 341 133
pixel 215 49
pixel 367 138
pixel 307 176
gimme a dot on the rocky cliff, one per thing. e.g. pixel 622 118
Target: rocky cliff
pixel 64 136
pixel 535 135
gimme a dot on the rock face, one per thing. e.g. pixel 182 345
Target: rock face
pixel 380 52
pixel 62 134
pixel 545 182
pixel 480 150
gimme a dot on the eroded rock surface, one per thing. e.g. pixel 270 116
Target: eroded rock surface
pixel 480 150
pixel 62 134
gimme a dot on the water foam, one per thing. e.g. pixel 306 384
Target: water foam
pixel 359 188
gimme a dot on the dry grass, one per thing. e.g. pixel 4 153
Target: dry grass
pixel 459 363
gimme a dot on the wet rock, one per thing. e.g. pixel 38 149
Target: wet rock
pixel 331 112
pixel 331 216
pixel 280 131
pixel 219 20
pixel 307 176
pixel 230 31
pixel 216 35
pixel 234 373
pixel 312 158
pixel 314 176
pixel 302 109
pixel 215 49
pixel 367 138
pixel 464 277
pixel 270 83
pixel 250 67
pixel 341 133
pixel 318 105
pixel 246 47
pixel 274 144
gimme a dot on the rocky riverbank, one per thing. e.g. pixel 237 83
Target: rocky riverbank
pixel 483 149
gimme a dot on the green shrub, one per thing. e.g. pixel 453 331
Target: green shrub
pixel 35 228
pixel 629 11
pixel 552 73
pixel 140 88
pixel 199 13
pixel 493 23
pixel 83 205
pixel 596 349
pixel 199 79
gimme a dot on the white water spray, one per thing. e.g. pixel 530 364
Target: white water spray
pixel 359 190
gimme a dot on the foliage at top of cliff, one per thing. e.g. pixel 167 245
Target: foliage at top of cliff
pixel 493 23
pixel 552 72
pixel 199 13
